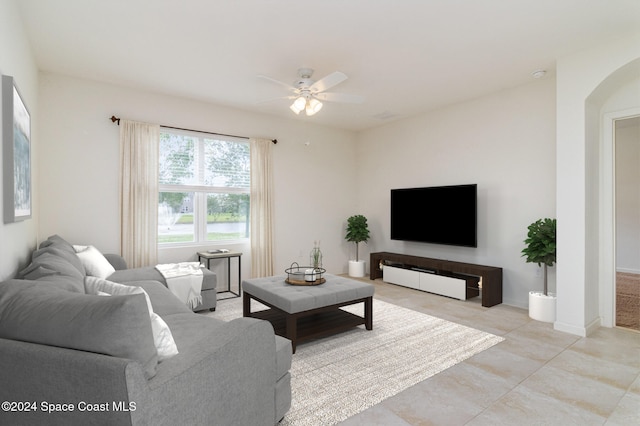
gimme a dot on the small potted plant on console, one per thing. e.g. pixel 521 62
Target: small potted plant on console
pixel 357 232
pixel 541 249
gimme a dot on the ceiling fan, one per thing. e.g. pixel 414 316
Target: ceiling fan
pixel 309 93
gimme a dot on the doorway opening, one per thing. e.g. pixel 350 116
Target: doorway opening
pixel 627 222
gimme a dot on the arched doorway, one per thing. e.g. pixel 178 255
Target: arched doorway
pixel 616 100
pixel 618 219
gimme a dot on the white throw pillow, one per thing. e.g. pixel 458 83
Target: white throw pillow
pixel 94 262
pixel 162 337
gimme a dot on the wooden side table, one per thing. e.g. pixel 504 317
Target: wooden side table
pixel 228 255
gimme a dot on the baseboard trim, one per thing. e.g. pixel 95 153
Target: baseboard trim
pixel 593 326
pixel 576 330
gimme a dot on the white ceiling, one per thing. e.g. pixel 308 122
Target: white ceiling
pixel 404 56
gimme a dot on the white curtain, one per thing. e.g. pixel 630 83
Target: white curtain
pixel 261 208
pixel 139 192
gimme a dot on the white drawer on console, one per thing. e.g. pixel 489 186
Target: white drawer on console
pixel 401 276
pixel 443 285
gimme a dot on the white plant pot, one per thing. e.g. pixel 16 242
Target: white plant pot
pixel 541 307
pixel 357 268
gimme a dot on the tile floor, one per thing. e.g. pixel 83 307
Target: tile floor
pixel 537 376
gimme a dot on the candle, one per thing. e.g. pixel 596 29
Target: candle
pixel 309 275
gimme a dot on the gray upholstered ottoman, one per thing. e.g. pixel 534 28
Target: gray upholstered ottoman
pixel 302 313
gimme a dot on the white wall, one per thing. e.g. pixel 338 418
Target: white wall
pixel 315 176
pixel 504 142
pixel 627 169
pixel 17 240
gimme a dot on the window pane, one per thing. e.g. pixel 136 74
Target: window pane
pixel 175 217
pixel 177 159
pixel 227 216
pixel 227 164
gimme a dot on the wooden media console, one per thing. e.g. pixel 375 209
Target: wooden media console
pixel 421 268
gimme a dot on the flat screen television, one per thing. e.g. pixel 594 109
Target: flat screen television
pixel 437 214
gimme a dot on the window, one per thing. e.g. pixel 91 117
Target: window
pixel 204 187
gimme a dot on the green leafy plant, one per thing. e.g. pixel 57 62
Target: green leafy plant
pixel 541 245
pixel 316 255
pixel 357 230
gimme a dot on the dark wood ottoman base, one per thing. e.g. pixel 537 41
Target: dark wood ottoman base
pixel 312 324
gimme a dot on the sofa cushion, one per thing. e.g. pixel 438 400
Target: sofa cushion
pixel 209 278
pixel 162 336
pixel 163 301
pixel 64 283
pixel 48 263
pixel 192 331
pixel 54 281
pixel 137 274
pixel 118 325
pixel 59 251
pixel 58 241
pixel 94 262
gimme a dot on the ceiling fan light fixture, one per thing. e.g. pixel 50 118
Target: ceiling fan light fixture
pixel 293 108
pixel 313 106
pixel 298 105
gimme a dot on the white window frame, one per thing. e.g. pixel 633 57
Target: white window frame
pixel 201 191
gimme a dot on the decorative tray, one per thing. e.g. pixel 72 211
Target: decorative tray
pixel 304 275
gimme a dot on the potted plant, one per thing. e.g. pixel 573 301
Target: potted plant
pixel 541 249
pixel 357 232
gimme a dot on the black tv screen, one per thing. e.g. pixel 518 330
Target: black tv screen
pixel 436 214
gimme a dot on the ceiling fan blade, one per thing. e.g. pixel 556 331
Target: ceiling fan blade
pixel 328 82
pixel 276 99
pixel 273 80
pixel 340 97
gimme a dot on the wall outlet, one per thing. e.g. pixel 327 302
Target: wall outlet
pixel 539 272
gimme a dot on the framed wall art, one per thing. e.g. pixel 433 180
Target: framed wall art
pixel 16 154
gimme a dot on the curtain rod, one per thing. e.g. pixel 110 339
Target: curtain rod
pixel 116 119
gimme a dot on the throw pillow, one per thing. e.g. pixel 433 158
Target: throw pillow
pixel 162 337
pixel 118 326
pixel 94 262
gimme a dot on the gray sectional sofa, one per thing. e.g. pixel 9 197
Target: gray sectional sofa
pixel 74 358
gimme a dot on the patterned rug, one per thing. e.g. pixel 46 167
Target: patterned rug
pixel 628 300
pixel 339 376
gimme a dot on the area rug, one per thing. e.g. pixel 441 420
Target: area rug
pixel 628 300
pixel 341 375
